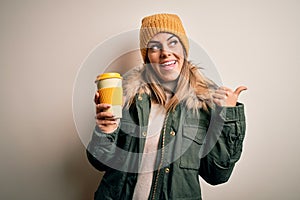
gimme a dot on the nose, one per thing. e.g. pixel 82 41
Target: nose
pixel 165 52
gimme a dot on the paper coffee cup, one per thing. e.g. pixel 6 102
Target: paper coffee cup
pixel 110 90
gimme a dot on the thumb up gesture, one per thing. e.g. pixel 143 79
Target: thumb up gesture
pixel 226 97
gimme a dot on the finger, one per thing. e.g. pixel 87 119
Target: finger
pixel 224 88
pixel 240 89
pixel 218 102
pixel 103 107
pixel 222 92
pixel 105 118
pixel 219 96
pixel 105 115
pixel 106 122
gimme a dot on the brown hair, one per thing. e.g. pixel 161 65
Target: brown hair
pixel 190 81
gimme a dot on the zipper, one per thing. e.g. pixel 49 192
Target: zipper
pixel 162 155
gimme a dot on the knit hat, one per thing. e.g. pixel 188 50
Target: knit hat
pixel 167 23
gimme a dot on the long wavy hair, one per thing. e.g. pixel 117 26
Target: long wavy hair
pixel 192 87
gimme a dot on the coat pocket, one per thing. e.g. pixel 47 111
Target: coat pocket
pixel 192 140
pixel 128 131
pixel 128 127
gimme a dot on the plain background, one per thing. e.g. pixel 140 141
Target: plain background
pixel 43 43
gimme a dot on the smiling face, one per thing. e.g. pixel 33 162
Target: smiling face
pixel 166 56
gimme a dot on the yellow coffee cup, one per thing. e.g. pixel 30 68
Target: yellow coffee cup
pixel 109 86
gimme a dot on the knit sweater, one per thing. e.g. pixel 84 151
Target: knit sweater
pixel 155 124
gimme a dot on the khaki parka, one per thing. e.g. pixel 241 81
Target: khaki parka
pixel 207 143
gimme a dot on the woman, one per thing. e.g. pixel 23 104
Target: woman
pixel 176 124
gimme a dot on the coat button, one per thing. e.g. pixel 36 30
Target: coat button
pixel 172 133
pixel 144 134
pixel 167 170
pixel 140 98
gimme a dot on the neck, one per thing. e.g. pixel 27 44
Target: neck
pixel 169 88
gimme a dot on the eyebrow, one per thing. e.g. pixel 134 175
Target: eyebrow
pixel 170 37
pixel 153 41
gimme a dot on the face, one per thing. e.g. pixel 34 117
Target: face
pixel 166 56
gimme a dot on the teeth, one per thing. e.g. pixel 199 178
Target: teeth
pixel 168 63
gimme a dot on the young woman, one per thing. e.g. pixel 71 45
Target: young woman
pixel 176 124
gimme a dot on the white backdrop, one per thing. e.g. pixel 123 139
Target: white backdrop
pixel 43 44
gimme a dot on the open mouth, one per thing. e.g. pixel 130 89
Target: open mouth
pixel 168 65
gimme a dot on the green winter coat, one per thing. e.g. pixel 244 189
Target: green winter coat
pixel 206 144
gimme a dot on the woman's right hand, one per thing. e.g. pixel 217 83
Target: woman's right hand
pixel 104 120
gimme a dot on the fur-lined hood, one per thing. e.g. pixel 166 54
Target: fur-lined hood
pixel 134 83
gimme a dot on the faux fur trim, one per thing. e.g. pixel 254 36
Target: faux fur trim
pixel 134 84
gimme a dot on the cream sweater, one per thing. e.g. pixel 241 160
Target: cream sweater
pixel 145 176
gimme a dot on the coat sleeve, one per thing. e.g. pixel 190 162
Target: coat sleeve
pixel 226 135
pixel 102 148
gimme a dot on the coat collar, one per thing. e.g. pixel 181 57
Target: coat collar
pixel 133 85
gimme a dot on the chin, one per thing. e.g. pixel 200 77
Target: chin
pixel 169 78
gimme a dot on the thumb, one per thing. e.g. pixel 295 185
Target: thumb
pixel 239 90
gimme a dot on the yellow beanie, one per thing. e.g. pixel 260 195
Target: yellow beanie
pixel 169 23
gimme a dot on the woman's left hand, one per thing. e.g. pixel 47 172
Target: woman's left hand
pixel 226 97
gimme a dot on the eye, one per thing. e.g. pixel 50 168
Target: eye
pixel 173 43
pixel 154 47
